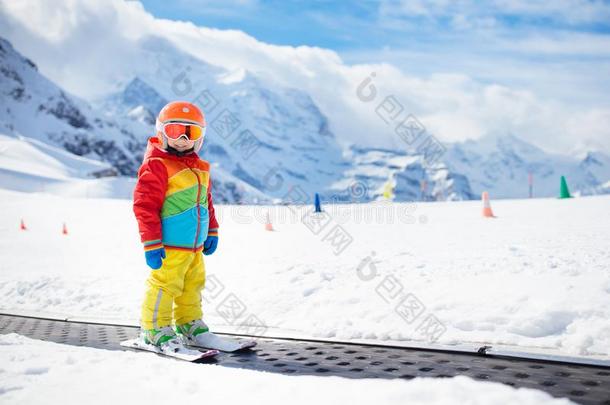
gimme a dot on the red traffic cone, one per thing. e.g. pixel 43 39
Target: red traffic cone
pixel 64 230
pixel 268 225
pixel 22 226
pixel 487 212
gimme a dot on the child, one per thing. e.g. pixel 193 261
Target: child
pixel 173 207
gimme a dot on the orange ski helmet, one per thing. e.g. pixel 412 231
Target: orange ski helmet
pixel 180 112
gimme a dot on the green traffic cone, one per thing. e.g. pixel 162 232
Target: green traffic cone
pixel 563 190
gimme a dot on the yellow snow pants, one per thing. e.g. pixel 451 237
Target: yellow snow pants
pixel 176 287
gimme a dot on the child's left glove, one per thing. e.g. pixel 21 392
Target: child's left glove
pixel 210 244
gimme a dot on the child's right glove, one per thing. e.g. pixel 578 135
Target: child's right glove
pixel 154 258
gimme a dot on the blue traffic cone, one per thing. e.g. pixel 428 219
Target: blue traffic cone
pixel 318 207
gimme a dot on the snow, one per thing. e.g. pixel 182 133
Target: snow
pixel 32 370
pixel 29 165
pixel 536 277
pixel 32 156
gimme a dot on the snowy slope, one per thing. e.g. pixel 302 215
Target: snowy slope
pixel 538 276
pixel 32 156
pixel 32 166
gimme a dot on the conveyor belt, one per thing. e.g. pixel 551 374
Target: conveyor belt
pixel 585 384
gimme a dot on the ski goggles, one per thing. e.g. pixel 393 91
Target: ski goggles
pixel 176 130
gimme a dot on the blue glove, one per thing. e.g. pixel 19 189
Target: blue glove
pixel 210 244
pixel 154 258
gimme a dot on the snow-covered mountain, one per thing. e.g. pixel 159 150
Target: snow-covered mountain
pixel 601 189
pixel 501 165
pixel 266 141
pixel 273 138
pixel 412 179
pixel 138 101
pixel 36 109
pixel 34 106
pixel 276 139
pixel 294 141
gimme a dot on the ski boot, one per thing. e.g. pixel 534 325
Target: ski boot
pixel 163 338
pixel 196 333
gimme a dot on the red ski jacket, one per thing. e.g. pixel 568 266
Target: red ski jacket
pixel 172 200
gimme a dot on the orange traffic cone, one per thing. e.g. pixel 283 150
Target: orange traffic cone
pixel 22 226
pixel 64 229
pixel 487 212
pixel 268 225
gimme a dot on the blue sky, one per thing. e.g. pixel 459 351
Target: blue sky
pixel 557 49
pixel 279 22
pixel 353 25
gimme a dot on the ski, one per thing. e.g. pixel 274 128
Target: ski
pixel 209 340
pixel 173 349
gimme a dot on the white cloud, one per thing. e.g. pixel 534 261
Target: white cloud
pixel 562 11
pixel 89 47
pixel 570 11
pixel 561 43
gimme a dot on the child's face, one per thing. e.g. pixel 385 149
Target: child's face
pixel 181 144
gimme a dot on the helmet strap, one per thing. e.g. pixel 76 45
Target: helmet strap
pixel 198 144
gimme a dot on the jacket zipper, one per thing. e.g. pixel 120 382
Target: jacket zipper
pixel 198 208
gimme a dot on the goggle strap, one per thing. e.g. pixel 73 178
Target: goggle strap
pixel 183 121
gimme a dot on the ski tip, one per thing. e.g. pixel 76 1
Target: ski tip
pixel 208 355
pixel 129 343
